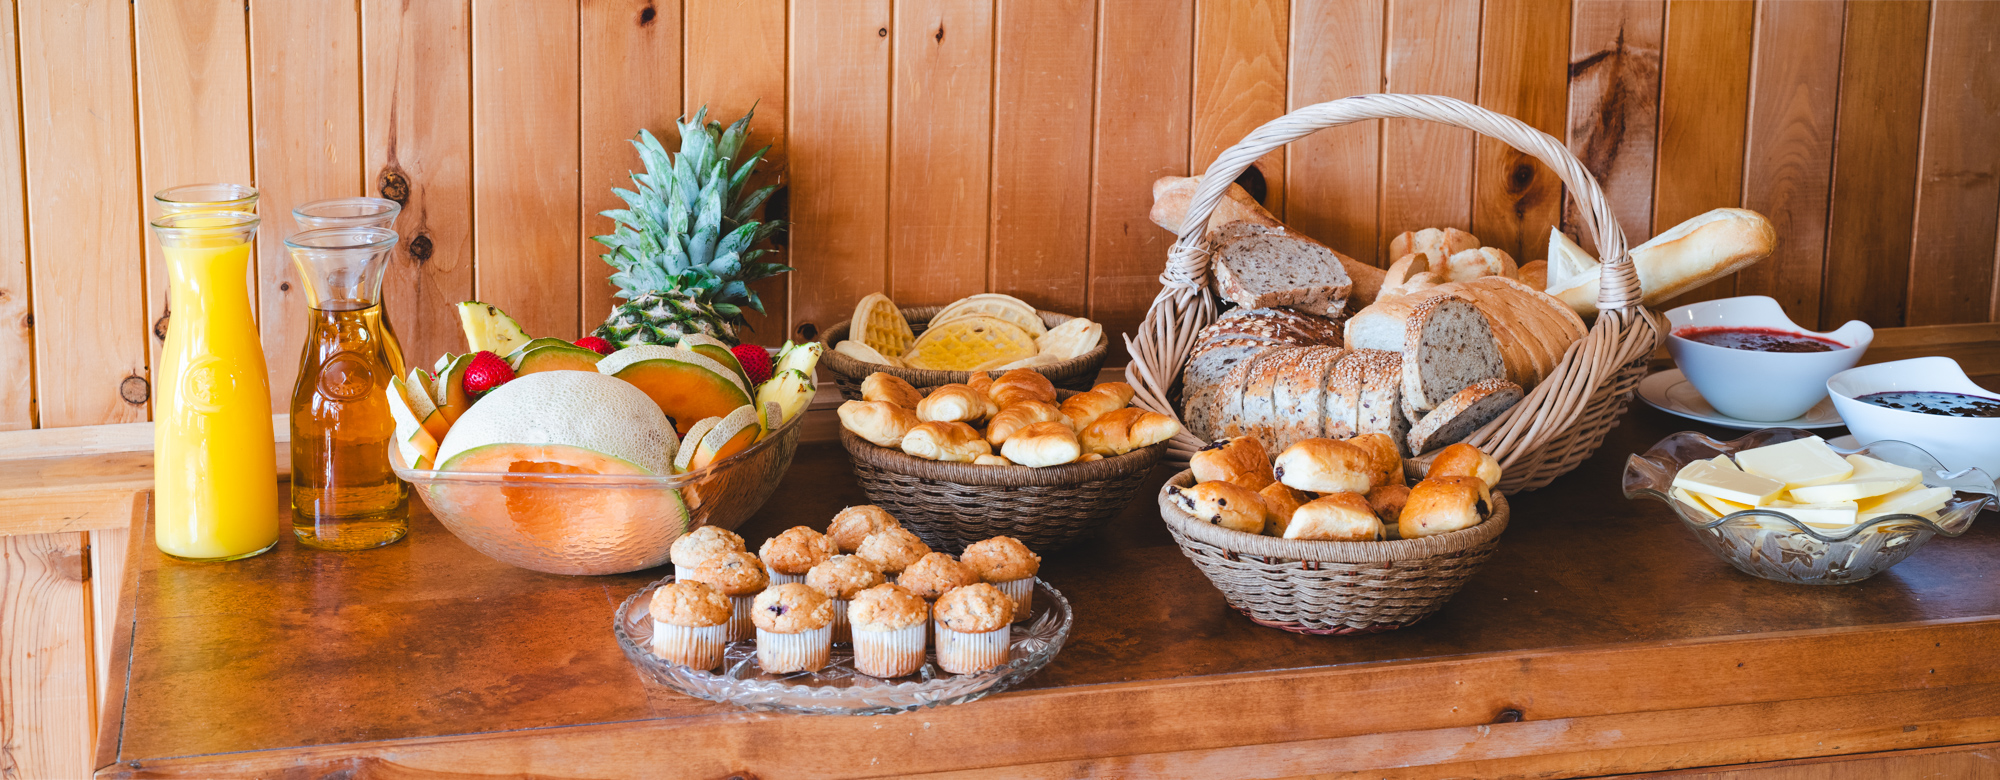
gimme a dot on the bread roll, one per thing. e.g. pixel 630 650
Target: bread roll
pixel 1535 274
pixel 889 387
pixel 1241 460
pixel 1042 444
pixel 1119 390
pixel 1439 243
pixel 1126 430
pixel 1021 415
pixel 1438 506
pixel 1084 408
pixel 1685 256
pixel 1388 501
pixel 1089 457
pixel 1472 264
pixel 1019 385
pixel 991 460
pixel 882 423
pixel 1326 466
pixel 1221 503
pixel 1338 517
pixel 1465 460
pixel 1281 502
pixel 946 441
pixel 953 403
pixel 1386 457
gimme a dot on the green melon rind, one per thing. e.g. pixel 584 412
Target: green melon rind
pixel 544 341
pixel 717 351
pixel 694 436
pixel 522 364
pixel 630 356
pixel 727 428
pixel 452 400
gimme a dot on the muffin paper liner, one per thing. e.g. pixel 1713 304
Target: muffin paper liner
pixel 740 625
pixel 893 653
pixel 806 651
pixel 698 647
pixel 842 634
pixel 959 652
pixel 1022 591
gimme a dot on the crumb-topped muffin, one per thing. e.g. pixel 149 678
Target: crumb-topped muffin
pixel 690 623
pixel 893 549
pixel 935 574
pixel 840 577
pixel 890 627
pixel 855 523
pixel 789 555
pixel 1010 566
pixel 794 628
pixel 701 545
pixel 738 575
pixel 972 628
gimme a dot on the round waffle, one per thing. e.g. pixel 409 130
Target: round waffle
pixel 961 344
pixel 1005 308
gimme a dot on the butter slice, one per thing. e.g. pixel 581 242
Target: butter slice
pixel 1870 468
pixel 1923 502
pixel 1722 506
pixel 1846 490
pixel 1826 516
pixel 1724 461
pixel 1708 479
pixel 1797 463
pixel 1694 502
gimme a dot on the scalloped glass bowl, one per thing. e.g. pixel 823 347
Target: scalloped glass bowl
pixel 595 524
pixel 1770 544
pixel 838 689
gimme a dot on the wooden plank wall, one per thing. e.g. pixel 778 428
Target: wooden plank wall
pixel 935 148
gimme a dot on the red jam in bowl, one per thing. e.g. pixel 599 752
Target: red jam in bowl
pixel 1759 339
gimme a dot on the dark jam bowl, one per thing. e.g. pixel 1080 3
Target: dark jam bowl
pixel 1956 441
pixel 1935 402
pixel 1758 339
pixel 1740 377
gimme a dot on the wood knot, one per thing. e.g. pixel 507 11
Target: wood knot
pixel 160 325
pixel 284 287
pixel 70 564
pixel 394 185
pixel 1523 175
pixel 135 390
pixel 421 247
pixel 1509 715
pixel 808 331
pixel 882 33
pixel 940 34
pixel 647 16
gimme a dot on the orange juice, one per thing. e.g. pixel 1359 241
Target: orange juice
pixel 215 473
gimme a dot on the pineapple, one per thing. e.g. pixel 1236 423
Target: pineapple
pixel 682 249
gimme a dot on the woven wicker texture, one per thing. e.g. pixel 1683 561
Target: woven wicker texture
pixel 951 505
pixel 1077 373
pixel 1333 587
pixel 1561 422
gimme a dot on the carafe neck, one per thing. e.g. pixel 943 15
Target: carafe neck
pixel 342 268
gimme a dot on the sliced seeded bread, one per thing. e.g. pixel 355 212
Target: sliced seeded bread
pixel 1258 266
pixel 1449 345
pixel 1382 396
pixel 1260 411
pixel 1300 397
pixel 1204 377
pixel 1343 397
pixel 1464 412
pixel 1231 396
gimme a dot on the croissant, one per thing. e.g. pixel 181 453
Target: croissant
pixel 1119 390
pixel 991 460
pixel 1022 415
pixel 953 403
pixel 1042 444
pixel 889 387
pixel 948 441
pixel 1019 385
pixel 1084 408
pixel 1126 430
pixel 880 422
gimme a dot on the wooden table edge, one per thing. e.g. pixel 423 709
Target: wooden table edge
pixel 111 711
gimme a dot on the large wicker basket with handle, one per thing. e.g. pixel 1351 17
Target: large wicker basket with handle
pixel 1561 422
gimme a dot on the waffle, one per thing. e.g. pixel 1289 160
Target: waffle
pixel 1070 339
pixel 1006 308
pixel 963 343
pixel 880 325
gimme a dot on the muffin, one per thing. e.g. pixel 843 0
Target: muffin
pixel 893 550
pixel 794 628
pixel 890 624
pixel 738 575
pixel 1010 566
pixel 972 628
pixel 701 545
pixel 789 555
pixel 935 574
pixel 840 577
pixel 855 523
pixel 690 624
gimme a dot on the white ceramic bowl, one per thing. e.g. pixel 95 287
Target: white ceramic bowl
pixel 1957 442
pixel 1759 386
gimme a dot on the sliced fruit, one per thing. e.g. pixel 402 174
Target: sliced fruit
pixel 544 341
pixel 566 357
pixel 683 460
pixel 452 400
pixel 771 416
pixel 799 357
pixel 574 422
pixel 713 349
pixel 417 445
pixel 489 329
pixel 686 385
pixel 791 391
pixel 732 434
pixel 418 388
pixel 443 364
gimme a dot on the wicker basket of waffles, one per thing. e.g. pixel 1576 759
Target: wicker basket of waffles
pixel 1264 332
pixel 1011 456
pixel 988 333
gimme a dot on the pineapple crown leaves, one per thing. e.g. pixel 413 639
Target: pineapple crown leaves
pixel 687 225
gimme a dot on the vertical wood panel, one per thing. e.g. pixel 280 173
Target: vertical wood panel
pixel 1144 92
pixel 1433 49
pixel 940 169
pixel 524 158
pixel 1875 162
pixel 194 115
pixel 839 137
pixel 1958 186
pixel 1523 73
pixel 631 79
pixel 17 334
pixel 738 60
pixel 1704 108
pixel 1614 103
pixel 417 94
pixel 46 707
pixel 1789 164
pixel 81 143
pixel 1043 101
pixel 1239 82
pixel 1333 176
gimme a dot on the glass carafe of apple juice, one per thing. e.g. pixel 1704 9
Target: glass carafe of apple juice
pixel 344 494
pixel 215 474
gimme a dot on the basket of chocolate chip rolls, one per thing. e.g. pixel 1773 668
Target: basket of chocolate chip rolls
pixel 1011 456
pixel 1334 536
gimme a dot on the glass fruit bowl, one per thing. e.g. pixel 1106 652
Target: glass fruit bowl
pixel 599 524
pixel 1770 544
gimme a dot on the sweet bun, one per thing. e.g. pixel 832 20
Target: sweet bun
pixel 1021 384
pixel 991 460
pixel 1326 466
pixel 1089 457
pixel 1336 517
pixel 1465 460
pixel 1282 502
pixel 1119 390
pixel 889 387
pixel 1221 503
pixel 1084 408
pixel 1438 506
pixel 948 441
pixel 953 403
pixel 1126 430
pixel 1241 460
pixel 1388 501
pixel 1021 415
pixel 1386 457
pixel 1042 444
pixel 882 423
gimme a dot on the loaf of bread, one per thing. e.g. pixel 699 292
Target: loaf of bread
pixel 1257 266
pixel 1532 330
pixel 1688 255
pixel 946 441
pixel 882 423
pixel 1339 517
pixel 1223 504
pixel 1042 444
pixel 1242 460
pixel 1173 194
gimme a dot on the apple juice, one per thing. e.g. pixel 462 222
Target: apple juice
pixel 345 496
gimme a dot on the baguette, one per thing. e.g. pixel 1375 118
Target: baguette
pixel 1173 194
pixel 1688 255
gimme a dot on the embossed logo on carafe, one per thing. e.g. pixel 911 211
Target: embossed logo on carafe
pixel 204 383
pixel 346 377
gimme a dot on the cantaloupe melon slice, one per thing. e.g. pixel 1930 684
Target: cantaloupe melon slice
pixel 450 395
pixel 686 385
pixel 416 444
pixel 565 357
pixel 712 348
pixel 683 461
pixel 732 434
pixel 562 422
pixel 544 341
pixel 423 405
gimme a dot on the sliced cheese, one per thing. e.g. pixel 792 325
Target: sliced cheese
pixel 1870 468
pixel 1846 490
pixel 1705 478
pixel 1830 516
pixel 1797 463
pixel 1724 461
pixel 1923 502
pixel 1722 506
pixel 1694 502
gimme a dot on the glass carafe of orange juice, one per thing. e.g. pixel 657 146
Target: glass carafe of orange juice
pixel 214 473
pixel 345 496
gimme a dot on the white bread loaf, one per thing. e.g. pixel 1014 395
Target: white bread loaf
pixel 1685 256
pixel 1173 194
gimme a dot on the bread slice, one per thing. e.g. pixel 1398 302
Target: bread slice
pixel 1282 324
pixel 1300 397
pixel 1343 397
pixel 1450 345
pixel 1466 411
pixel 1204 375
pixel 1259 266
pixel 1260 412
pixel 1229 395
pixel 1381 385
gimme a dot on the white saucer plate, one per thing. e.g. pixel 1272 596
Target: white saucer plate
pixel 1670 392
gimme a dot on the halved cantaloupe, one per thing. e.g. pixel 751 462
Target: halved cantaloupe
pixel 684 460
pixel 687 386
pixel 450 395
pixel 732 434
pixel 562 422
pixel 566 357
pixel 413 441
pixel 712 348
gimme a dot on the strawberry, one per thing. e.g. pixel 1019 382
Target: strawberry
pixel 487 371
pixel 756 362
pixel 595 344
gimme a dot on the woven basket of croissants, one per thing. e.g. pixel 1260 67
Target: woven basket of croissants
pixel 1012 456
